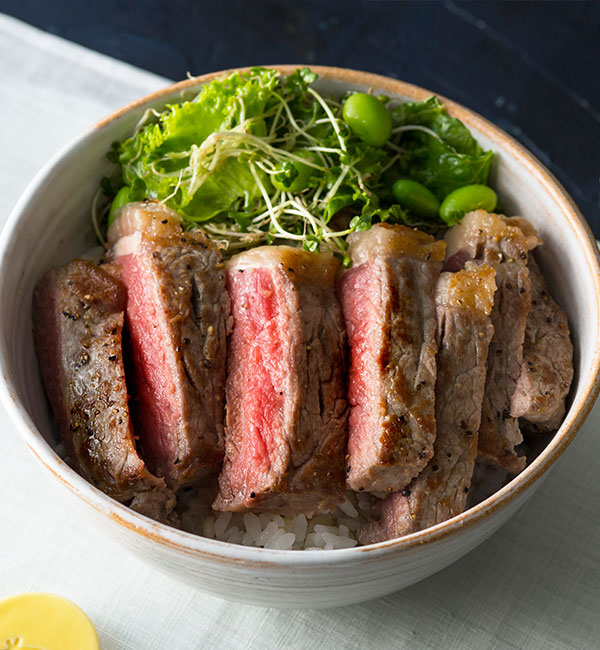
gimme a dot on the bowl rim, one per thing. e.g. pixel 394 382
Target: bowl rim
pixel 225 552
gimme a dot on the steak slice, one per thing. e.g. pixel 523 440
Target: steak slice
pixel 547 369
pixel 286 406
pixel 78 321
pixel 464 301
pixel 388 302
pixel 178 317
pixel 503 243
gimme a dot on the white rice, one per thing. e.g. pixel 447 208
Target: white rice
pixel 326 530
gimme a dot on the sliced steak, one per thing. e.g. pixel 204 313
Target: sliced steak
pixel 388 302
pixel 464 301
pixel 503 243
pixel 286 406
pixel 78 321
pixel 178 317
pixel 547 369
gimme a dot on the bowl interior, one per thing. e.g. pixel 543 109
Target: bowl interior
pixel 52 224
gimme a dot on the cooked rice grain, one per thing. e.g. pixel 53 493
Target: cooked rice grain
pixel 325 530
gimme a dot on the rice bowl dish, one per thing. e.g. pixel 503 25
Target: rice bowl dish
pixel 321 532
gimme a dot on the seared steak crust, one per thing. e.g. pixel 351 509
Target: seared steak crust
pixel 500 433
pixel 503 243
pixel 464 301
pixel 78 322
pixel 286 407
pixel 388 301
pixel 547 369
pixel 178 317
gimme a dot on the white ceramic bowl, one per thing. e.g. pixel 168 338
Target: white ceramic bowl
pixel 51 224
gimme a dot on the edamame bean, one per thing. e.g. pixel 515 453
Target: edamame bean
pixel 465 199
pixel 368 118
pixel 121 199
pixel 416 197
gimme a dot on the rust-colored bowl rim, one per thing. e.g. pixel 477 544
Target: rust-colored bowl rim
pixel 190 544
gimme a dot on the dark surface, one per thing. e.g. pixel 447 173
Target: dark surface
pixel 532 68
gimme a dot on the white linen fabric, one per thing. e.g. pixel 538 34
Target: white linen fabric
pixel 534 584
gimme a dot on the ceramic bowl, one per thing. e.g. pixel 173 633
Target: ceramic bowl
pixel 60 197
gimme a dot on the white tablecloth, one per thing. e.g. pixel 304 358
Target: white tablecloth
pixel 535 584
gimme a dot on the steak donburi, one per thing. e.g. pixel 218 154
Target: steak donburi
pixel 286 405
pixel 78 322
pixel 178 317
pixel 504 244
pixel 388 301
pixel 464 301
pixel 547 369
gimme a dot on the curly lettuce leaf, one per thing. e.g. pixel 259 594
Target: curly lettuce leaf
pixel 159 151
pixel 257 157
pixel 445 161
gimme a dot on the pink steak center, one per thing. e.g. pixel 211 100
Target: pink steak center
pixel 260 352
pixel 156 367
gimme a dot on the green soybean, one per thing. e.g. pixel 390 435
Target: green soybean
pixel 121 199
pixel 416 197
pixel 465 199
pixel 368 118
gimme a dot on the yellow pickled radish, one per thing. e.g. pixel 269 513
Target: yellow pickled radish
pixel 40 621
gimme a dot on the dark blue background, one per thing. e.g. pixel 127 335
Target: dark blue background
pixel 533 68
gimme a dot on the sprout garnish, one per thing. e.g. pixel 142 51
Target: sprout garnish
pixel 259 158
